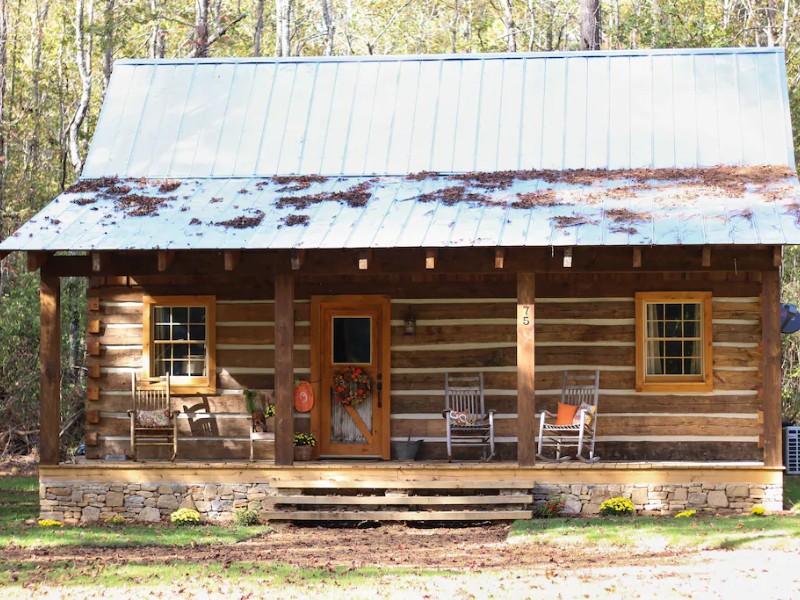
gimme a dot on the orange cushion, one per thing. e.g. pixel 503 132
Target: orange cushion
pixel 566 412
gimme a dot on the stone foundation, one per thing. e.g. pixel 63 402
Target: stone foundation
pixel 77 502
pixel 666 499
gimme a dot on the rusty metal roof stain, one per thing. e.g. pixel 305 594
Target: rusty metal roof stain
pixel 328 153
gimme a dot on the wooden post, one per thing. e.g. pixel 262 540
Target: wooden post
pixel 284 369
pixel 526 369
pixel 771 367
pixel 49 369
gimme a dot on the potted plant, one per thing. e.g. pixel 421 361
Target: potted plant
pixel 269 417
pixel 304 445
pixel 256 409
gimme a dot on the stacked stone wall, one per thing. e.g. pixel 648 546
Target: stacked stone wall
pixel 76 502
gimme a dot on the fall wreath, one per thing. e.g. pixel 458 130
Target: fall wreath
pixel 352 385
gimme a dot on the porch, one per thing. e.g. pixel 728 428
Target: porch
pixel 367 490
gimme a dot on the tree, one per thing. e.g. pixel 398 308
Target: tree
pixel 590 24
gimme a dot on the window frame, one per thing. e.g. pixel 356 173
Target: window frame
pixel 674 383
pixel 182 384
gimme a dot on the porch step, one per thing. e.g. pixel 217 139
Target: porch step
pixel 327 499
pixel 397 515
pixel 427 484
pixel 399 500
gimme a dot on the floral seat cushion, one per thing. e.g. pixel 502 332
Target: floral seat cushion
pixel 152 418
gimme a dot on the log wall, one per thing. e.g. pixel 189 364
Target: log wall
pixel 465 323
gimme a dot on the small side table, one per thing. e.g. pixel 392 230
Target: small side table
pixel 260 436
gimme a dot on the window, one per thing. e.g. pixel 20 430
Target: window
pixel 673 341
pixel 179 339
pixel 352 340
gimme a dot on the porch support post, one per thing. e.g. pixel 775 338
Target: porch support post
pixel 284 369
pixel 526 368
pixel 771 367
pixel 49 369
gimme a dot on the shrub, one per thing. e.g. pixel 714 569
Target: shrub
pixel 246 517
pixel 269 411
pixel 185 516
pixel 549 509
pixel 116 520
pixel 50 523
pixel 758 511
pixel 305 439
pixel 686 514
pixel 617 507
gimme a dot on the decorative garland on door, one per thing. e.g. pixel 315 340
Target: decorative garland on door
pixel 352 385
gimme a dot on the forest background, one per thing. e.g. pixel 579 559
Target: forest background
pixel 56 57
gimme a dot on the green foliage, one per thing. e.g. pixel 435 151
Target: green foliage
pixel 185 516
pixel 617 507
pixel 115 521
pixel 305 439
pixel 252 401
pixel 245 517
pixel 550 509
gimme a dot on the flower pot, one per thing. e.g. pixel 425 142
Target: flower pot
pixel 303 452
pixel 406 450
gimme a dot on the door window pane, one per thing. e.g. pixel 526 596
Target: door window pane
pixel 352 340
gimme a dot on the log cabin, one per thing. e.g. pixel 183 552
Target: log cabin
pixel 247 224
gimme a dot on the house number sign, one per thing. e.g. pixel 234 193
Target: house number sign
pixel 525 311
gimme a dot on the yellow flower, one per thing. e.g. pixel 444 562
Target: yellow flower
pixel 50 523
pixel 758 511
pixel 685 514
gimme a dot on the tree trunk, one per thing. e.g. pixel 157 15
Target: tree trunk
pixel 511 28
pixel 330 27
pixel 259 32
pixel 83 42
pixel 108 42
pixel 283 14
pixel 590 24
pixel 157 33
pixel 200 29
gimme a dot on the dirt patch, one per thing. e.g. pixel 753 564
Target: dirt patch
pixel 20 466
pixel 355 197
pixel 243 221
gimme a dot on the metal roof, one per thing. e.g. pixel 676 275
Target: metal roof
pixel 316 153
pixel 515 209
pixel 394 115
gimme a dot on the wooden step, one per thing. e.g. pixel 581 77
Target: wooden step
pixel 403 485
pixel 399 500
pixel 398 515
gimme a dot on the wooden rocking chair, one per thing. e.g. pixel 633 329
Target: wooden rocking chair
pixel 153 422
pixel 578 407
pixel 467 420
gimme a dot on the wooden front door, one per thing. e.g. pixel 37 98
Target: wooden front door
pixel 350 373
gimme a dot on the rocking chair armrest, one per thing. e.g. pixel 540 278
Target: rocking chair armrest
pixel 131 413
pixel 547 413
pixel 445 413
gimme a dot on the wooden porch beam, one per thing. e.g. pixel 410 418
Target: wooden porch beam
pixel 364 258
pixel 49 369
pixel 4 253
pixel 706 259
pixel 165 259
pixel 499 258
pixel 36 260
pixel 777 256
pixel 526 369
pixel 298 258
pixel 637 258
pixel 284 369
pixel 771 367
pixel 231 259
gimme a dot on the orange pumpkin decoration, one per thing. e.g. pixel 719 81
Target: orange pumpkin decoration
pixel 303 396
